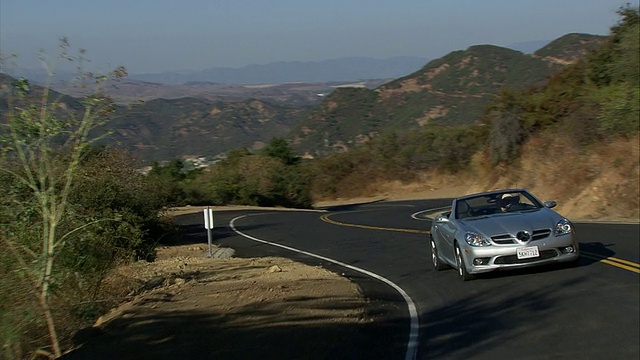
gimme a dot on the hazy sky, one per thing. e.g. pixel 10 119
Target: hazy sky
pixel 160 35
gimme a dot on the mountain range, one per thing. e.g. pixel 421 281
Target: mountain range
pixel 205 119
pixel 346 69
pixel 452 90
pixel 343 69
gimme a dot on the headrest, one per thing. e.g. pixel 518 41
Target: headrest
pixel 463 207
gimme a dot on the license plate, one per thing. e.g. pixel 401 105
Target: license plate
pixel 527 252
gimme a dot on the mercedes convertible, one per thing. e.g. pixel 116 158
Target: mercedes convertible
pixel 502 229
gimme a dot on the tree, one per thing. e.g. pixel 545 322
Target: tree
pixel 279 148
pixel 169 178
pixel 615 68
pixel 173 170
pixel 47 142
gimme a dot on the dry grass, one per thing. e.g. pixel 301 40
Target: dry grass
pixel 602 183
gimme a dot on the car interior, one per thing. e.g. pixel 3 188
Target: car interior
pixel 492 204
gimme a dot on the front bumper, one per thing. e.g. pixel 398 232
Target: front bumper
pixel 559 249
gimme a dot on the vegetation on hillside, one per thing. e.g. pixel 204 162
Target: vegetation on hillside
pixel 570 47
pixel 580 110
pixel 596 99
pixel 273 177
pixel 394 156
pixel 69 213
pixel 164 129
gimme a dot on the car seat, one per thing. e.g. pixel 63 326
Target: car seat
pixel 463 210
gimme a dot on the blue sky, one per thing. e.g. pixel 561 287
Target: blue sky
pixel 161 35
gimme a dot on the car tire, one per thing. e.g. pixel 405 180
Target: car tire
pixel 437 263
pixel 461 268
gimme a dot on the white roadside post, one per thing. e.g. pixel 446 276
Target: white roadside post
pixel 208 224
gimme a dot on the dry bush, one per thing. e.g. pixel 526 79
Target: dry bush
pixel 18 312
pixel 555 168
pixel 600 181
pixel 615 191
pixel 486 176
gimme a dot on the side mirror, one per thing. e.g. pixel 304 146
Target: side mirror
pixel 550 204
pixel 442 219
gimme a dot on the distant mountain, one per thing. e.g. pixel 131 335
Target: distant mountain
pixel 343 69
pixel 127 91
pixel 340 70
pixel 164 129
pixel 452 90
pixel 569 48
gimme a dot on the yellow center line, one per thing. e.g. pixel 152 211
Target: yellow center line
pixel 613 261
pixel 622 261
pixel 326 219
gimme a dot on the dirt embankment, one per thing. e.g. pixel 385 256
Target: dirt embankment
pixel 186 305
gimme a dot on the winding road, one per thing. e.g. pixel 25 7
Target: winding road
pixel 555 312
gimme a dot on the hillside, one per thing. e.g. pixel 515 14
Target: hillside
pixel 452 90
pixel 7 93
pixel 163 129
pixel 569 48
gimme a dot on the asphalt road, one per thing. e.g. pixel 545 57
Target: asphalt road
pixel 590 311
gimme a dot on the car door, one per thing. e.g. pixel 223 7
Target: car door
pixel 447 231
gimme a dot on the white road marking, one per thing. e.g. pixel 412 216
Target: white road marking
pixel 414 325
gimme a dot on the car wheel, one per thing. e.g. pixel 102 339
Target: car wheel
pixel 462 269
pixel 437 263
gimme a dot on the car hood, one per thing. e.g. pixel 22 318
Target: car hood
pixel 512 223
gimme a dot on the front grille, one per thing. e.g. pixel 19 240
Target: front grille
pixel 513 259
pixel 505 239
pixel 540 234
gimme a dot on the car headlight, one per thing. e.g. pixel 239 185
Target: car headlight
pixel 564 227
pixel 474 239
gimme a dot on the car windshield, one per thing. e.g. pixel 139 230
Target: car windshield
pixel 495 203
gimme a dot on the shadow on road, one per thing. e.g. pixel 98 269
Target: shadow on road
pixel 475 326
pixel 145 332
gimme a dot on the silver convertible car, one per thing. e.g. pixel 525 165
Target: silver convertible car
pixel 500 230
